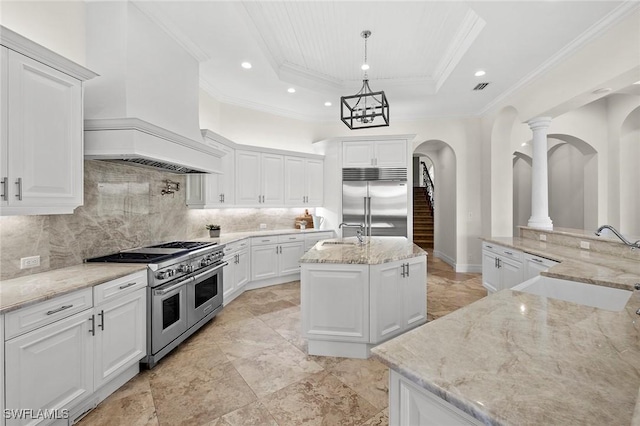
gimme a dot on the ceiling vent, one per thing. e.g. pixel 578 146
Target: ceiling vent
pixel 480 86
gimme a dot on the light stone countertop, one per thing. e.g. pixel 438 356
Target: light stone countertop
pixel 376 250
pixel 19 292
pixel 579 265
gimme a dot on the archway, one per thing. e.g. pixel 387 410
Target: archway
pixel 630 174
pixel 444 162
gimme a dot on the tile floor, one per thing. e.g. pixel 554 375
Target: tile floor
pixel 249 367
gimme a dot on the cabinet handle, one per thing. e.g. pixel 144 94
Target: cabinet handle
pixel 101 315
pixel 509 253
pixel 499 263
pixel 222 198
pixel 535 259
pixel 407 269
pixel 237 258
pixel 402 273
pixel 488 246
pixel 259 198
pixel 495 262
pixel 122 287
pixel 19 194
pixel 292 238
pixel 62 308
pixel 93 325
pixel 5 189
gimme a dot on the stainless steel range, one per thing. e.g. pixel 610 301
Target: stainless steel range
pixel 185 290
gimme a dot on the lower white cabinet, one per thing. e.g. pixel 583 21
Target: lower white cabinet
pixel 398 297
pixel 533 265
pixel 276 256
pixel 410 405
pixel 2 381
pixel 501 267
pixel 238 270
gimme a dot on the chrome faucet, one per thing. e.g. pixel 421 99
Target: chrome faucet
pixel 359 232
pixel 633 246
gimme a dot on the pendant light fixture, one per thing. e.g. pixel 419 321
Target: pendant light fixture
pixel 366 108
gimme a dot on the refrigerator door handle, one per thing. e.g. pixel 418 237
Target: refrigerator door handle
pixel 369 217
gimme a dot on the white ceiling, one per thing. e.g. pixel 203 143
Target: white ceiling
pixel 422 54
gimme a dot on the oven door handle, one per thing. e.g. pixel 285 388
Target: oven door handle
pixel 209 271
pixel 163 291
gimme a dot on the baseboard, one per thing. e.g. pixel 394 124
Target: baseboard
pixel 252 285
pixel 468 268
pixel 448 260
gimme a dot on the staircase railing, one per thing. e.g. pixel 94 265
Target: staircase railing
pixel 428 183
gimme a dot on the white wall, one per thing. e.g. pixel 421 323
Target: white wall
pixel 58 26
pixel 630 175
pixel 566 186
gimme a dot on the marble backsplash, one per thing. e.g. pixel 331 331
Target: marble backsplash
pixel 123 208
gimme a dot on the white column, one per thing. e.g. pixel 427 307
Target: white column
pixel 539 175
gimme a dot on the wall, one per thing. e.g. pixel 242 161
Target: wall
pixel 566 186
pixel 123 209
pixel 57 25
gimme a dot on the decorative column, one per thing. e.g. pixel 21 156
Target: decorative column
pixel 539 175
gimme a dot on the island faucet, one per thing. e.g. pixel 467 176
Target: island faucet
pixel 633 246
pixel 359 232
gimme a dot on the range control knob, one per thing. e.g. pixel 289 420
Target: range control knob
pixel 165 274
pixel 185 268
pixel 205 261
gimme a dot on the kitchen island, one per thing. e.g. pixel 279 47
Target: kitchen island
pixel 355 296
pixel 520 358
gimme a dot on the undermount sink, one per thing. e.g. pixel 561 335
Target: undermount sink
pixel 596 296
pixel 342 243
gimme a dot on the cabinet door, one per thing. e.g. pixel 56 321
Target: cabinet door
pixel 120 335
pixel 534 265
pixel 415 292
pixel 51 367
pixel 45 135
pixel 272 179
pixel 357 154
pixel 511 272
pixel 228 278
pixel 490 273
pixel 289 256
pixel 4 188
pixel 243 269
pixel 390 153
pixel 294 182
pixel 226 185
pixel 248 176
pixel 196 190
pixel 314 182
pixel 264 262
pixel 386 301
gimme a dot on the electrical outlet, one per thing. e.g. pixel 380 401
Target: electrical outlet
pixel 584 245
pixel 263 226
pixel 543 237
pixel 29 262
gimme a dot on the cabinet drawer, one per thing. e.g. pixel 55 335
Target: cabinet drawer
pixel 118 287
pixel 511 253
pixel 289 238
pixel 261 241
pixel 47 312
pixel 235 246
pixel 492 247
pixel 540 260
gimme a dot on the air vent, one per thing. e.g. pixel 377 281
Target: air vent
pixel 374 173
pixel 480 86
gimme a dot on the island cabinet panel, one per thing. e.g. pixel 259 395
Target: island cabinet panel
pixel 501 267
pixel 415 292
pixel 411 405
pixel 335 302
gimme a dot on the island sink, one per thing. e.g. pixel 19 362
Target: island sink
pixel 596 296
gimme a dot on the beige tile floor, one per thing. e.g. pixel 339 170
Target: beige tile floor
pixel 249 367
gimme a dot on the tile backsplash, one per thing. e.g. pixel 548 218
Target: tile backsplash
pixel 123 208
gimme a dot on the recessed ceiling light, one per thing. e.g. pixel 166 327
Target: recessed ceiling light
pixel 246 65
pixel 602 90
pixel 637 82
pixel 524 144
pixel 291 90
pixel 327 103
pixel 364 67
pixel 479 73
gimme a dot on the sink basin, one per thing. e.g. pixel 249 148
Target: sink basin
pixel 341 243
pixel 596 296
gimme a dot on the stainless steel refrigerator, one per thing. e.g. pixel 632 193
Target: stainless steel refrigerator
pixel 376 198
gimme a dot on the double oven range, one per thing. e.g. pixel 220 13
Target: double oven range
pixel 184 292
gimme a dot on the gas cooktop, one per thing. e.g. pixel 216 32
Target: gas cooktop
pixel 153 254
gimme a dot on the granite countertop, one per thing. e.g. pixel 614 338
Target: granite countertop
pixel 19 292
pixel 375 251
pixel 579 265
pixel 517 358
pixel 231 237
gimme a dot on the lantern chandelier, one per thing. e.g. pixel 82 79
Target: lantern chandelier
pixel 366 108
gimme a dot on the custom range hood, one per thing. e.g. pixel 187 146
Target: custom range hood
pixel 143 109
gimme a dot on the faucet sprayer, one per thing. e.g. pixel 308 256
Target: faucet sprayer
pixel 633 246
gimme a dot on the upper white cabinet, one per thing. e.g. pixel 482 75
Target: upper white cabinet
pixel 259 178
pixel 215 189
pixel 41 168
pixel 391 153
pixel 303 183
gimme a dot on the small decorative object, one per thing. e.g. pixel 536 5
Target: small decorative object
pixel 214 230
pixel 170 187
pixel 304 221
pixel 303 224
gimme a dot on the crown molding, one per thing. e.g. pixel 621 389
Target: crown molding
pixel 14 41
pixel 597 29
pixel 166 25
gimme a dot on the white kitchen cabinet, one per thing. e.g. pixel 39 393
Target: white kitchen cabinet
pixel 52 366
pixel 501 267
pixel 214 189
pixel 411 405
pixel 288 258
pixel 391 153
pixel 121 334
pixel 533 265
pixel 276 259
pixel 303 181
pixel 398 297
pixel 41 167
pixel 264 261
pixel 238 271
pixel 259 178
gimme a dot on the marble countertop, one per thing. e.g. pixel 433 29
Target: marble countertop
pixel 19 292
pixel 231 237
pixel 517 358
pixel 579 265
pixel 376 250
